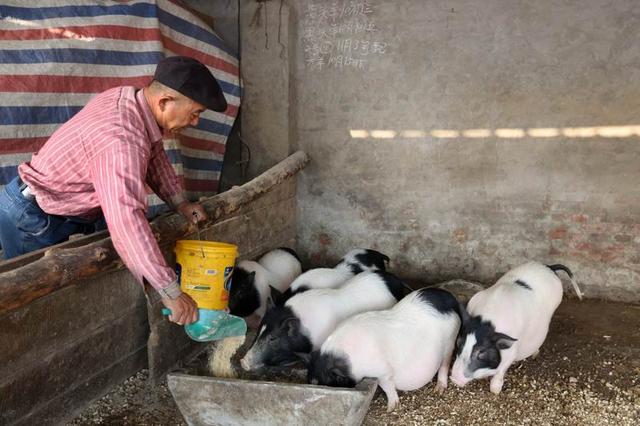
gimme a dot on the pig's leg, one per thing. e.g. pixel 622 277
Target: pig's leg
pixel 253 321
pixel 495 386
pixel 496 382
pixel 389 388
pixel 443 372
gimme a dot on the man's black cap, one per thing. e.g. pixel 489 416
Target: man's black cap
pixel 192 79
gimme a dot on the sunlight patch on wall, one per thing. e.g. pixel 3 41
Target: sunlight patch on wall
pixel 506 133
pixel 545 132
pixel 618 131
pixel 510 133
pixel 413 134
pixel 476 133
pixel 359 134
pixel 579 132
pixel 383 134
pixel 445 134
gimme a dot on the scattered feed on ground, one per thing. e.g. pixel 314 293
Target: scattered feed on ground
pixel 587 373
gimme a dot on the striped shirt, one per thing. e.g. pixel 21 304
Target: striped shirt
pixel 100 160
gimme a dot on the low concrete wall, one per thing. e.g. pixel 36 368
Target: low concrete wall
pixel 72 346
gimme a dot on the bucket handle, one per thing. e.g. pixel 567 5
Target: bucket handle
pixel 198 232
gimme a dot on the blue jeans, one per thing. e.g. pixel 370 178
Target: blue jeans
pixel 25 227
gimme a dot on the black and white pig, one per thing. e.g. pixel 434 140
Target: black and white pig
pixel 354 262
pixel 403 347
pixel 252 283
pixel 507 322
pixel 360 260
pixel 305 320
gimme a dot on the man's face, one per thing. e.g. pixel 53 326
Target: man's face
pixel 178 113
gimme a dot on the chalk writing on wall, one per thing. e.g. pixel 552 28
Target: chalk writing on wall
pixel 341 34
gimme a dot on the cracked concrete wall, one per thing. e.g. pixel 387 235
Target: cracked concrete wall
pixel 510 132
pixel 265 62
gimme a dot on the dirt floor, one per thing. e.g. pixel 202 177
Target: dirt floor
pixel 587 373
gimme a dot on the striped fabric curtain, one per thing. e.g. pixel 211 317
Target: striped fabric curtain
pixel 56 54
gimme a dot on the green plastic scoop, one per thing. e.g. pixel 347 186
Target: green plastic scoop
pixel 212 325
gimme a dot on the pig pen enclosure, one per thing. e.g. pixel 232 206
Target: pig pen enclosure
pixel 586 374
pixel 459 137
pixel 56 363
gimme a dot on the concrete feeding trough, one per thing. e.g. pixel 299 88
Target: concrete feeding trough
pixel 206 400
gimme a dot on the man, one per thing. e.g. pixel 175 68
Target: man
pixel 97 164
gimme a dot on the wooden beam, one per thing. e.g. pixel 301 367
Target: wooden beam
pixel 66 264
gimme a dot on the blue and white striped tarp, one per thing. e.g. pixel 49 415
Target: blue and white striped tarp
pixel 56 54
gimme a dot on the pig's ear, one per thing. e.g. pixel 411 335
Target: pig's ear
pixel 275 297
pixel 464 315
pixel 340 377
pixel 270 303
pixel 290 326
pixel 503 341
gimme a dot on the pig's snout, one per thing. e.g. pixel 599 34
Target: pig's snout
pixel 459 382
pixel 249 363
pixel 246 365
pixel 458 376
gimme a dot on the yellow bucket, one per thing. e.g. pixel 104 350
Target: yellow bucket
pixel 204 271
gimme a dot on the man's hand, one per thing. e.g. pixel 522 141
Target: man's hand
pixel 193 212
pixel 183 309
